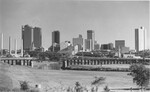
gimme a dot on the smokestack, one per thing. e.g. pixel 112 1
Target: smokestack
pixel 15 46
pixel 2 45
pixel 21 47
pixel 9 45
pixel 2 42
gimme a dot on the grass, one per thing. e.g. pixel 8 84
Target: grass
pixel 5 80
pixel 11 75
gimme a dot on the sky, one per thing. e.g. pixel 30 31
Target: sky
pixel 111 20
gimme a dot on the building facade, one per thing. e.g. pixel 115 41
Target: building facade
pixel 88 45
pixel 27 36
pixel 78 42
pixel 96 46
pixel 140 39
pixel 119 44
pixel 32 37
pixel 91 36
pixel 125 50
pixel 37 36
pixel 56 37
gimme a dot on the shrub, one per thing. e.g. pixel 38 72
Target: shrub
pixel 24 85
pixel 55 66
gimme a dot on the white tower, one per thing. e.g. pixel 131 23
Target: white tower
pixel 15 46
pixel 2 44
pixel 9 45
pixel 21 41
pixel 140 39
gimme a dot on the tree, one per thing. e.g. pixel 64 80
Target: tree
pixel 42 56
pixel 78 87
pixel 97 82
pixel 140 74
pixel 24 85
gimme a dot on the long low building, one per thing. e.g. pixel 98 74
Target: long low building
pixel 19 61
pixel 102 61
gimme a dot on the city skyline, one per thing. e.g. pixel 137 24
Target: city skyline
pixel 72 18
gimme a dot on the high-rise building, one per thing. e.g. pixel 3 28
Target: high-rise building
pixel 37 36
pixel 140 39
pixel 55 37
pixel 78 41
pixel 91 35
pixel 27 36
pixel 55 47
pixel 88 44
pixel 32 37
pixel 119 44
pixel 110 46
pixel 96 46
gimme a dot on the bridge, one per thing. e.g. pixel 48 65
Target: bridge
pixel 18 61
pixel 102 61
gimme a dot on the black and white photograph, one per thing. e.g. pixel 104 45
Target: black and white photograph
pixel 74 46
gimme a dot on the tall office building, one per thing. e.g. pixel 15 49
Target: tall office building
pixel 27 36
pixel 91 35
pixel 32 37
pixel 111 46
pixel 140 39
pixel 96 46
pixel 119 44
pixel 37 36
pixel 55 37
pixel 88 45
pixel 78 42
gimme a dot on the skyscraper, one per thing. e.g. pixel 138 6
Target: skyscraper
pixel 31 37
pixel 88 44
pixel 78 41
pixel 37 37
pixel 91 35
pixel 119 44
pixel 27 36
pixel 140 39
pixel 55 37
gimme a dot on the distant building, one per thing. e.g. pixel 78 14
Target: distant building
pixel 96 46
pixel 119 44
pixel 32 37
pixel 64 45
pixel 140 39
pixel 104 46
pixel 78 41
pixel 27 36
pixel 91 36
pixel 55 47
pixel 125 50
pixel 37 36
pixel 56 37
pixel 88 44
pixel 110 46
